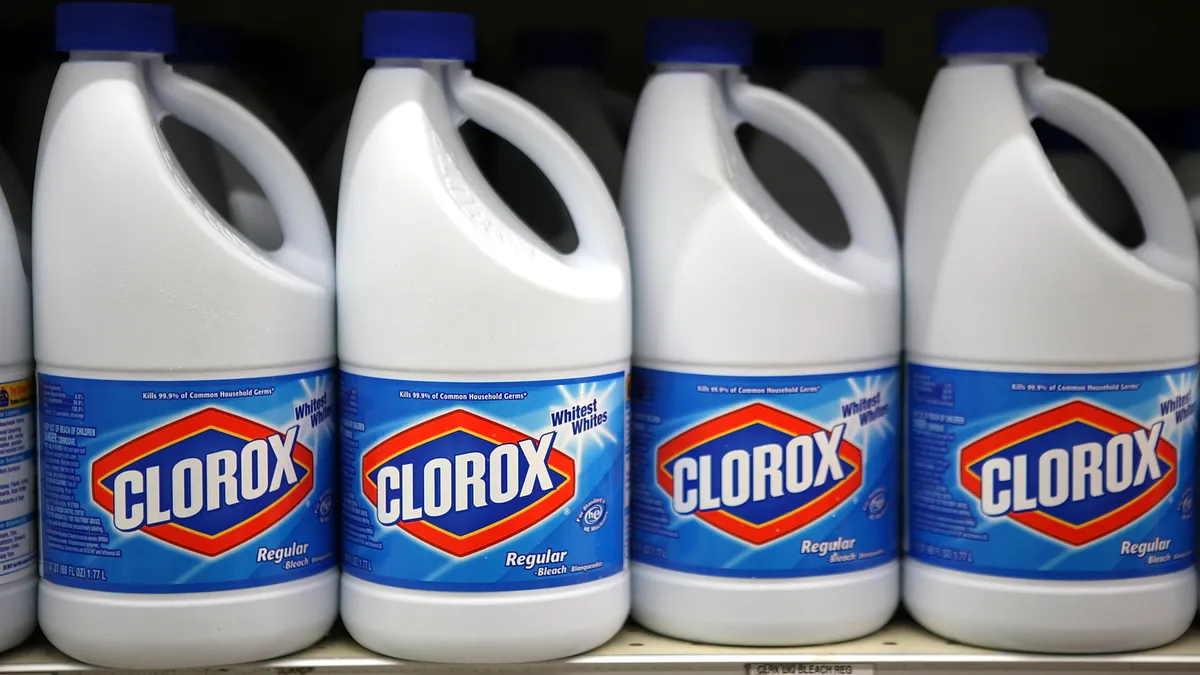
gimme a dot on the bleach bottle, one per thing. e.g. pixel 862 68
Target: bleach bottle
pixel 1052 371
pixel 838 80
pixel 483 389
pixel 561 75
pixel 767 391
pixel 186 396
pixel 18 535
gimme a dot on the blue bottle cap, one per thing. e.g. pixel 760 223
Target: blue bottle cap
pixel 399 34
pixel 115 27
pixel 992 30
pixel 561 49
pixel 697 40
pixel 210 44
pixel 836 48
pixel 1054 139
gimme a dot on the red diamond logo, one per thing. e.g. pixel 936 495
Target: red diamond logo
pixel 1074 522
pixel 462 532
pixel 746 428
pixel 225 526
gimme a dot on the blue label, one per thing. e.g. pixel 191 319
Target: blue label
pixel 765 476
pixel 498 486
pixel 180 487
pixel 1052 476
pixel 18 540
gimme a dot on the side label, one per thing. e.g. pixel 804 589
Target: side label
pixel 1060 476
pixel 765 476
pixel 18 540
pixel 177 487
pixel 483 487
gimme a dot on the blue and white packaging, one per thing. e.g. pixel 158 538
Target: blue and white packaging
pixel 1052 476
pixel 484 409
pixel 766 421
pixel 766 477
pixel 483 487
pixel 186 416
pixel 18 535
pixel 1051 420
pixel 185 487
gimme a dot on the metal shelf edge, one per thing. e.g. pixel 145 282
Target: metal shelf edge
pixel 907 645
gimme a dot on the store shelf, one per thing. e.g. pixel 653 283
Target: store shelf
pixel 901 647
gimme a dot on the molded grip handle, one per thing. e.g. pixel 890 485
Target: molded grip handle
pixel 307 248
pixel 872 230
pixel 601 237
pixel 1170 244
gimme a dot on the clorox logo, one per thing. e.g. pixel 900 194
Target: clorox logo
pixel 1075 473
pixel 462 483
pixel 758 473
pixel 208 482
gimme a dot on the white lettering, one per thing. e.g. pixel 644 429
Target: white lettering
pixel 462 482
pixel 207 483
pixel 1081 472
pixel 764 472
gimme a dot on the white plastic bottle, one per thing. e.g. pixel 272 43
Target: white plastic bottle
pixel 1088 181
pixel 211 55
pixel 562 77
pixel 483 390
pixel 186 403
pixel 767 393
pixel 838 80
pixel 1052 371
pixel 18 529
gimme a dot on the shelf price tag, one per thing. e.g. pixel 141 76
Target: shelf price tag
pixel 808 669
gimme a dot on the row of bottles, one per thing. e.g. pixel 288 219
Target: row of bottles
pixel 688 409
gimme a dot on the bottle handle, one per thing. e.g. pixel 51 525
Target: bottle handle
pixel 601 237
pixel 307 249
pixel 867 214
pixel 1170 244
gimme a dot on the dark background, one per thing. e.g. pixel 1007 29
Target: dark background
pixel 1135 53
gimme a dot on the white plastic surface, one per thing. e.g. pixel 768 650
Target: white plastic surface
pixel 878 124
pixel 715 258
pixel 596 117
pixel 434 268
pixel 18 593
pixel 19 618
pixel 137 279
pixel 1003 271
pixel 328 143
